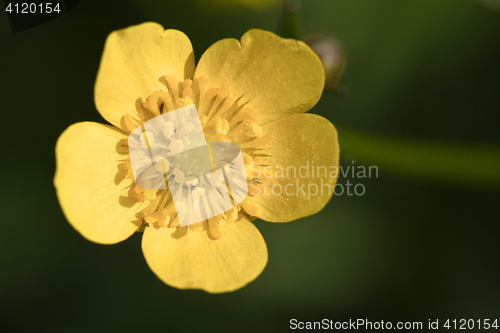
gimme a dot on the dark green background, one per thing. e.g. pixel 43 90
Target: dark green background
pixel 409 249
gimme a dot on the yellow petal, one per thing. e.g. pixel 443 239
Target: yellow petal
pixel 188 259
pixel 296 145
pixel 133 61
pixel 278 76
pixel 87 164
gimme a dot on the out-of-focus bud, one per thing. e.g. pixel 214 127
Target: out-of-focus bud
pixel 332 55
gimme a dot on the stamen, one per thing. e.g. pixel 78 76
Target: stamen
pixel 248 129
pixel 155 102
pixel 222 119
pixel 247 114
pixel 200 89
pixel 221 126
pixel 208 100
pixel 127 122
pixel 172 85
pixel 187 89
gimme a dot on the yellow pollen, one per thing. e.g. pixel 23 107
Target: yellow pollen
pixel 222 119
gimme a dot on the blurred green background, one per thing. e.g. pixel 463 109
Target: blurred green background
pixel 423 82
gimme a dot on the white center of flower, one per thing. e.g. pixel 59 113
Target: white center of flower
pixel 179 154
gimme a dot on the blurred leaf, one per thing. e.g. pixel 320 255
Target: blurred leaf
pixel 472 165
pixel 241 4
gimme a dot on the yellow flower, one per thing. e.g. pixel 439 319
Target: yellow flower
pixel 254 93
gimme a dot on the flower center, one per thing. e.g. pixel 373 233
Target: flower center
pixel 222 119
